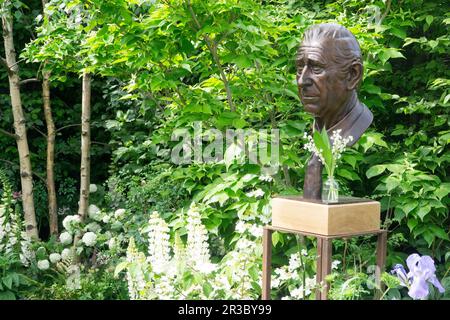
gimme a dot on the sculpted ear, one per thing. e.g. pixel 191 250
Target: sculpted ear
pixel 354 75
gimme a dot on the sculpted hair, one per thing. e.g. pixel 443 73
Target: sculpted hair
pixel 347 47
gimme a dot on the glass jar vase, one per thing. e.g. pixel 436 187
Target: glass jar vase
pixel 330 191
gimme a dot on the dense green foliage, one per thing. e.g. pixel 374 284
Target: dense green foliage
pixel 161 66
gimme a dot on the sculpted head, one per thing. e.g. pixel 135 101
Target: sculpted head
pixel 329 70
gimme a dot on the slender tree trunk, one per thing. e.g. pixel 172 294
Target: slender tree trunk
pixel 51 134
pixel 26 176
pixel 85 145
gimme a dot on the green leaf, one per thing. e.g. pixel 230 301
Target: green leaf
pixel 439 232
pixel 392 183
pixel 412 223
pixel 375 170
pixel 120 267
pixel 207 288
pixel 423 211
pixel 7 281
pixel 322 142
pixel 7 295
pixel 350 175
pixel 443 190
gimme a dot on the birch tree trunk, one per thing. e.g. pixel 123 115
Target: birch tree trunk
pixel 51 190
pixel 26 177
pixel 85 145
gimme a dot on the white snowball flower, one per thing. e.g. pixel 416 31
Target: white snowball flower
pixel 94 212
pixel 119 213
pixel 106 218
pixel 70 222
pixel 65 238
pixel 55 257
pixel 89 239
pixel 94 227
pixel 66 253
pixel 43 264
pixel 92 188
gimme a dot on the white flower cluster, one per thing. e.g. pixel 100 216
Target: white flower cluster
pixel 136 272
pixel 158 243
pixel 197 247
pixel 71 222
pixel 338 144
pixel 13 239
pixel 255 194
pixel 292 276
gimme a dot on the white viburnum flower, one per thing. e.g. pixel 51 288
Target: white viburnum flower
pixel 65 238
pixel 66 253
pixel 119 213
pixel 43 264
pixel 55 257
pixel 256 231
pixel 92 188
pixel 89 239
pixel 94 227
pixel 94 212
pixel 70 222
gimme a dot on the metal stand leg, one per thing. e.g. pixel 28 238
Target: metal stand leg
pixel 267 261
pixel 381 261
pixel 319 268
pixel 326 265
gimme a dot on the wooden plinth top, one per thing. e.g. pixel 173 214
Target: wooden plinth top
pixel 342 200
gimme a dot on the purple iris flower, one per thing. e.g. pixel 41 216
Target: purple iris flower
pixel 421 271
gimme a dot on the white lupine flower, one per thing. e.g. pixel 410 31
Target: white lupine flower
pixel 197 248
pixel 119 213
pixel 43 264
pixel 65 238
pixel 159 247
pixel 89 239
pixel 66 254
pixel 92 188
pixel 94 212
pixel 55 257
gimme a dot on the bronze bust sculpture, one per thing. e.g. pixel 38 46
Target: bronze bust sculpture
pixel 329 70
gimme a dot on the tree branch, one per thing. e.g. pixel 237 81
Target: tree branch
pixel 388 7
pixel 5 64
pixel 68 126
pixel 212 46
pixel 17 166
pixel 29 81
pixel 43 134
pixel 9 134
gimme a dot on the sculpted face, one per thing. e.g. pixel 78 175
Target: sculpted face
pixel 322 87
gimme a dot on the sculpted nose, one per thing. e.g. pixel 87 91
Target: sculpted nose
pixel 303 79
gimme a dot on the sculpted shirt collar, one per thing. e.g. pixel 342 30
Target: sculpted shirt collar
pixel 353 124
